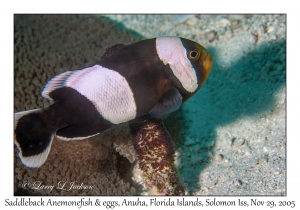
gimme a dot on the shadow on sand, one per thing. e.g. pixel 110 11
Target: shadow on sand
pixel 246 88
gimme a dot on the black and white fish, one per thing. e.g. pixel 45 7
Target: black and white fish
pixel 146 79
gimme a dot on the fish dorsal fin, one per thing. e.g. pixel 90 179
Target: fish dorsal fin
pixel 59 81
pixel 111 50
pixel 169 102
pixel 55 83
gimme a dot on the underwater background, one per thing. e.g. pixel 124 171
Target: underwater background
pixel 230 138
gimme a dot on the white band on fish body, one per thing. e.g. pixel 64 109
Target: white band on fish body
pixel 105 88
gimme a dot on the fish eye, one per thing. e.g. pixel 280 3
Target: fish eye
pixel 194 54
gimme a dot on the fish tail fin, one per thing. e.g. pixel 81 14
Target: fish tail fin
pixel 33 137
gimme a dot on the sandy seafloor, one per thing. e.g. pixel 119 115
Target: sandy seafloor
pixel 232 137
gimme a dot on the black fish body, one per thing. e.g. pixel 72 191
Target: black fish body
pixel 146 79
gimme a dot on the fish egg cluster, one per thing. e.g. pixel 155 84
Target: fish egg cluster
pixel 156 158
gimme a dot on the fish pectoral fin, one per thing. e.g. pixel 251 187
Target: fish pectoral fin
pixel 169 102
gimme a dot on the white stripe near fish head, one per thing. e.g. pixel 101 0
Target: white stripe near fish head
pixel 107 90
pixel 171 51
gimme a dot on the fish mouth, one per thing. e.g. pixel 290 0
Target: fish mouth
pixel 207 64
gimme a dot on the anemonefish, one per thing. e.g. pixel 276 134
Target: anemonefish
pixel 143 80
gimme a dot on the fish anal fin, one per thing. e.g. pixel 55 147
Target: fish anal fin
pixel 55 83
pixel 76 132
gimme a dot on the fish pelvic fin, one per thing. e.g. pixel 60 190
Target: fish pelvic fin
pixel 32 137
